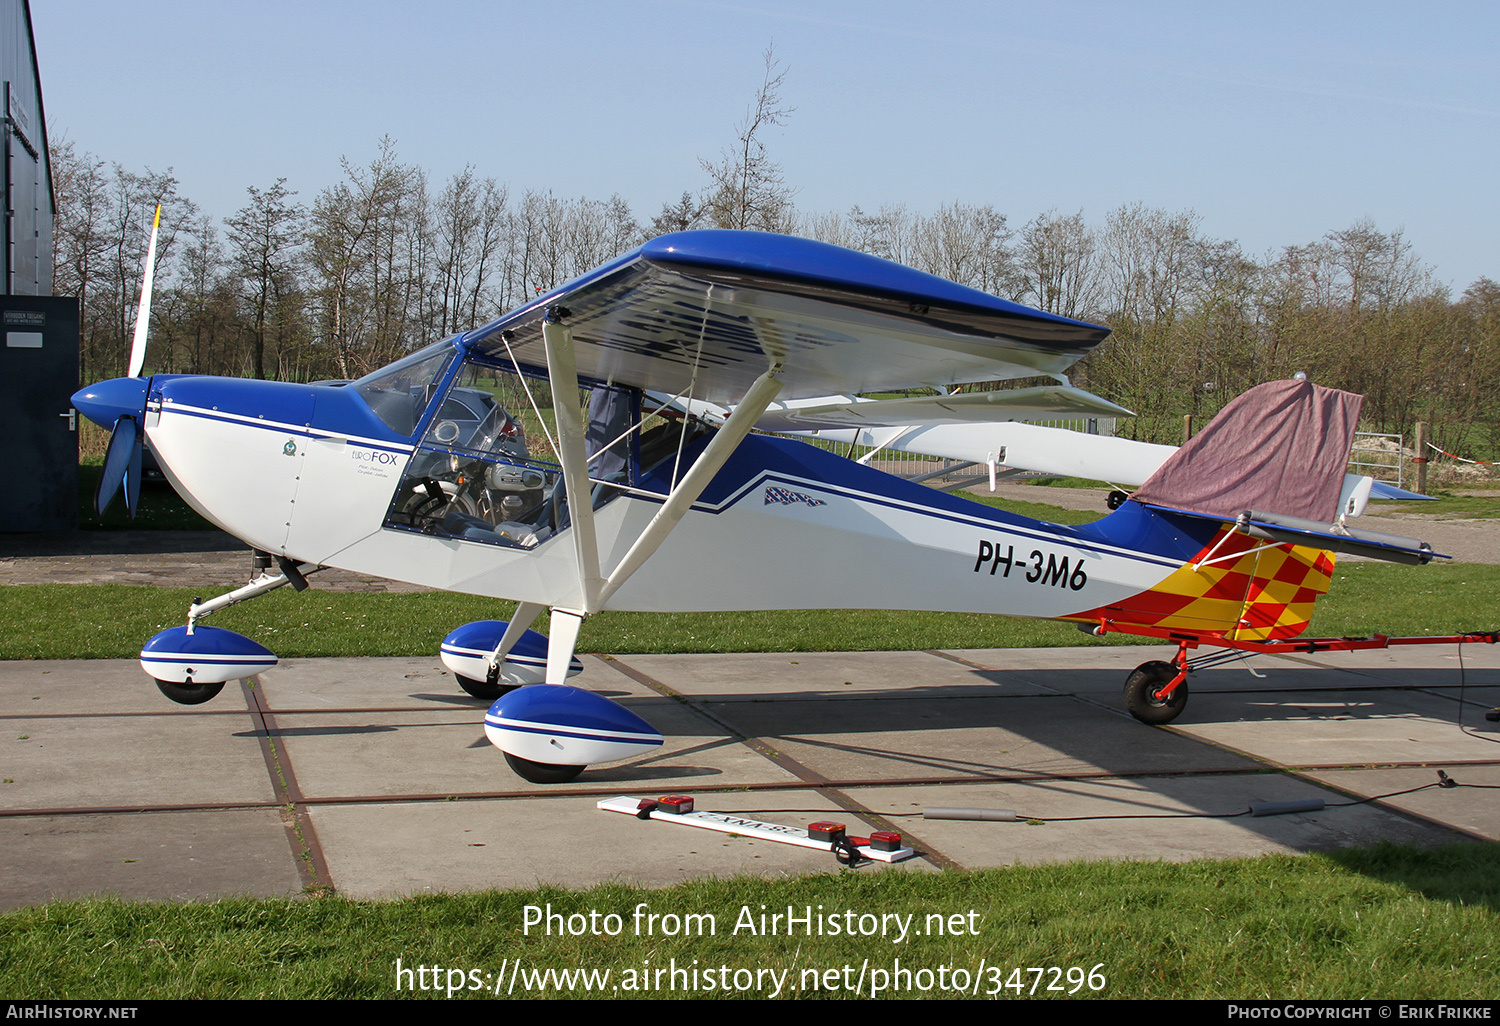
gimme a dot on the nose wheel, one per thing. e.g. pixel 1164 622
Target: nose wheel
pixel 188 693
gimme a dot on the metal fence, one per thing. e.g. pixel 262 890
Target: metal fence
pixel 1380 456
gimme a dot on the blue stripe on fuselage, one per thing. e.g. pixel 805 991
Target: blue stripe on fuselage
pixel 1131 531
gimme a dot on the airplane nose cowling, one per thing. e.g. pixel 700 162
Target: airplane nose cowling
pixel 108 401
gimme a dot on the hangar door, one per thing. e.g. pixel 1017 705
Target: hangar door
pixel 38 376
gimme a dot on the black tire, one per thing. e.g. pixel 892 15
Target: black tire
pixel 421 510
pixel 1115 499
pixel 1140 693
pixel 483 689
pixel 541 772
pixel 188 694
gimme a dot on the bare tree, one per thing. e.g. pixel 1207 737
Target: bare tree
pixel 266 237
pixel 1059 263
pixel 747 189
pixel 80 243
pixel 199 317
pixel 367 250
pixel 684 215
pixel 969 245
pixel 888 233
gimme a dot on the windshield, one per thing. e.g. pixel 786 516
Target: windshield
pixel 399 392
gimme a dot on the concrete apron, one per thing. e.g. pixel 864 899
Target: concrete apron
pixel 373 776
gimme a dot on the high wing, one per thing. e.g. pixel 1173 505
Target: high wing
pixel 1064 453
pixel 1045 402
pixel 705 313
pixel 982 431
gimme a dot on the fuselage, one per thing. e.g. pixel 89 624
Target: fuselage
pixel 311 473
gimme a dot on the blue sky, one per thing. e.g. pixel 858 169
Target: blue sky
pixel 1276 122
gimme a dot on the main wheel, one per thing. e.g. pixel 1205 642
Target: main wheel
pixel 541 772
pixel 483 689
pixel 188 694
pixel 1141 688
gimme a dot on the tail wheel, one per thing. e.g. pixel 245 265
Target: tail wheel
pixel 483 689
pixel 1141 688
pixel 541 772
pixel 188 694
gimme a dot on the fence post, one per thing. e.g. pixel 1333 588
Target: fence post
pixel 1421 458
pixel 1187 427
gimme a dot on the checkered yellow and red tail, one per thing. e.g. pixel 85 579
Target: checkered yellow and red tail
pixel 1243 590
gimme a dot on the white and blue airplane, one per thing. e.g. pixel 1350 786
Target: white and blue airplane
pixel 416 472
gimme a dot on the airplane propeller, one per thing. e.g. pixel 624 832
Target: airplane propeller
pixel 122 403
pixel 143 314
pixel 122 466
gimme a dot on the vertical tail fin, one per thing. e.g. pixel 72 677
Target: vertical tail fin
pixel 1236 587
pixel 1282 447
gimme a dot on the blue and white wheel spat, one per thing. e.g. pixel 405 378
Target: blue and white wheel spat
pixel 209 655
pixel 557 726
pixel 466 652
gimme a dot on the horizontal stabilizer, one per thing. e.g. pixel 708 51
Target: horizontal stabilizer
pixel 1315 534
pixel 1352 541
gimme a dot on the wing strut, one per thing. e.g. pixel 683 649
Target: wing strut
pixel 562 368
pixel 757 398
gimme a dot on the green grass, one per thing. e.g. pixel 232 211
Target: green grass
pixel 1389 922
pixel 110 621
pixel 1369 598
pixel 1066 482
pixel 1039 510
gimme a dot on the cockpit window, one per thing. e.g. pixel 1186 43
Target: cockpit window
pixel 484 469
pixel 399 392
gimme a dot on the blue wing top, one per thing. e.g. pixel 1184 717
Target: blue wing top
pixel 715 309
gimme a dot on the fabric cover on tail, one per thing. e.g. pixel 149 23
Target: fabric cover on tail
pixel 1281 447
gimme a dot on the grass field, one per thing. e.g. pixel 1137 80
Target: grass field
pixel 110 621
pixel 1389 922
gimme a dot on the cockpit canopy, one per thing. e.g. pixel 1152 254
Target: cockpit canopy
pixel 485 466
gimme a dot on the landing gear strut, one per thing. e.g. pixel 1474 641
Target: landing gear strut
pixel 191 664
pixel 1157 692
